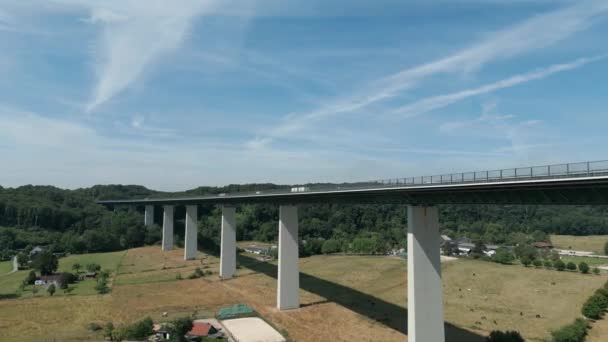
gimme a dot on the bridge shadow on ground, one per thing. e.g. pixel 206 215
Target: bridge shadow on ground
pixel 388 314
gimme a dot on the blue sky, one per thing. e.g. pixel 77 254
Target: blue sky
pixel 173 95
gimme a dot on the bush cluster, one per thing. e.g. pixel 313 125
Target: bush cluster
pixel 596 305
pixel 573 332
pixel 506 336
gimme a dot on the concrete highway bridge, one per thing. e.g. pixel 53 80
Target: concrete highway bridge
pixel 564 184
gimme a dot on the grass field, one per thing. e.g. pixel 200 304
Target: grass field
pixel 9 285
pixel 107 261
pixel 5 267
pixel 591 243
pixel 344 298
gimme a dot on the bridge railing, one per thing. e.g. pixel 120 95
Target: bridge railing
pixel 572 170
pixel 594 168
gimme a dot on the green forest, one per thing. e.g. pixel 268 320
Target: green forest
pixel 71 221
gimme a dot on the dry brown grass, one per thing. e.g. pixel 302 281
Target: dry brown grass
pixel 344 298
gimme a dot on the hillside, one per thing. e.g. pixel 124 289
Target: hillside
pixel 71 221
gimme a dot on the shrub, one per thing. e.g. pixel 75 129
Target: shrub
pixel 503 256
pixel 138 330
pixel 596 271
pixel 537 263
pixel 583 267
pixel 596 305
pixel 506 336
pixel 331 246
pixel 559 265
pixel 179 327
pixel 573 332
pixel 31 278
pixel 51 290
pixel 178 276
pixel 93 267
pixel 571 266
pixel 69 278
pixel 102 286
pixel 525 260
pixel 93 326
pixel 548 264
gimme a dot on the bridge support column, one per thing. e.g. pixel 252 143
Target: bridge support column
pixel 228 243
pixel 190 243
pixel 149 215
pixel 288 295
pixel 424 290
pixel 167 228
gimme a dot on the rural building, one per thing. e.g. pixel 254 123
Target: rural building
pixel 543 245
pixel 54 279
pixel 200 329
pixel 90 274
pixel 36 250
pixel 160 332
pixel 257 249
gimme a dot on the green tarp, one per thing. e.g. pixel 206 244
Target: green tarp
pixel 238 310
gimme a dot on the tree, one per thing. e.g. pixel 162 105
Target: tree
pixel 571 266
pixel 22 260
pixel 574 332
pixel 331 246
pixel 595 306
pixel 93 267
pixel 108 331
pixel 583 267
pixel 478 249
pixel 527 251
pixel 525 260
pixel 506 336
pixel 503 256
pixel 179 327
pixel 102 286
pixel 51 290
pixel 76 267
pixel 46 263
pixel 139 330
pixel 31 278
pixel 559 265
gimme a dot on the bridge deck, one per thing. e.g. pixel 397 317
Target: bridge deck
pixel 553 184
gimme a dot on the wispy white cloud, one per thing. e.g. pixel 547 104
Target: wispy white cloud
pixel 535 33
pixel 135 34
pixel 434 102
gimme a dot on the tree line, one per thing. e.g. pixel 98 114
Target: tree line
pixel 71 221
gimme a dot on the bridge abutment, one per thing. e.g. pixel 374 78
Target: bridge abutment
pixel 228 243
pixel 424 289
pixel 288 290
pixel 191 236
pixel 167 244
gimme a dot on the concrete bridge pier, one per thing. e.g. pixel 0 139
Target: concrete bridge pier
pixel 424 290
pixel 149 215
pixel 228 243
pixel 191 236
pixel 167 228
pixel 288 296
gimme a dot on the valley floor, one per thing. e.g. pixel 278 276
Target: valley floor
pixel 344 298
